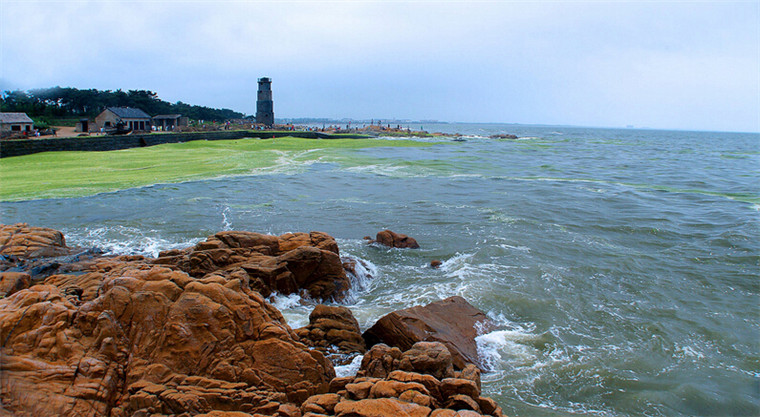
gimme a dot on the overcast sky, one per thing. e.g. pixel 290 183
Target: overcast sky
pixel 677 65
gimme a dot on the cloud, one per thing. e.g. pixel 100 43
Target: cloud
pixel 602 63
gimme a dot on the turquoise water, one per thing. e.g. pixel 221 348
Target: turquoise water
pixel 622 265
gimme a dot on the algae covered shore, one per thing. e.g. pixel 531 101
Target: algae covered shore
pixel 76 174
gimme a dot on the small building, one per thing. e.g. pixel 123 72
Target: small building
pixel 83 125
pixel 15 124
pixel 167 122
pixel 132 118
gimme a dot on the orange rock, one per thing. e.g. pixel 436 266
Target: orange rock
pixel 286 264
pixel 12 282
pixel 454 386
pixel 453 322
pixel 380 407
pixel 192 346
pixel 23 241
pixel 332 326
pixel 396 240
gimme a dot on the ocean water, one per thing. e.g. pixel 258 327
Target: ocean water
pixel 622 265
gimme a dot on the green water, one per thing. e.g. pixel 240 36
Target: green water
pixel 75 174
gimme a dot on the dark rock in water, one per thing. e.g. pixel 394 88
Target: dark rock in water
pixel 396 240
pixel 332 326
pixel 453 322
pixel 503 136
pixel 435 264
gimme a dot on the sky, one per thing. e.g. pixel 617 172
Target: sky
pixel 692 65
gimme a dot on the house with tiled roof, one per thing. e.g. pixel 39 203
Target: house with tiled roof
pixel 15 124
pixel 132 118
pixel 169 121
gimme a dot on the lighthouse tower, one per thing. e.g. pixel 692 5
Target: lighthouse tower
pixel 264 103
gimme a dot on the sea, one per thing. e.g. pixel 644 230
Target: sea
pixel 621 265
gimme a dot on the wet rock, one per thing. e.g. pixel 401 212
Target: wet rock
pixel 380 361
pixel 453 322
pixel 193 346
pixel 21 240
pixel 435 264
pixel 376 392
pixel 432 358
pixel 291 263
pixel 396 240
pixel 333 329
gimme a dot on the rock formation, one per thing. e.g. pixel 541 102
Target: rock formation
pixel 334 331
pixel 190 333
pixel 287 264
pixel 132 337
pixel 21 241
pixel 452 321
pixel 395 240
pixel 418 382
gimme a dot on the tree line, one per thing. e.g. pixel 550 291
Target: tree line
pixel 67 102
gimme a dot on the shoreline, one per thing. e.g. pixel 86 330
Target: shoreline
pixel 21 147
pixel 191 333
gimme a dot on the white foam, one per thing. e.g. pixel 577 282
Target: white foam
pixel 226 223
pixel 364 269
pixel 500 348
pixel 689 351
pixel 124 240
pixel 283 302
pixel 349 369
pixel 292 307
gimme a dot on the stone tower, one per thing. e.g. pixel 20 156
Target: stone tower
pixel 264 103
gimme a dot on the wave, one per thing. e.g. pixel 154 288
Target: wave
pixel 125 240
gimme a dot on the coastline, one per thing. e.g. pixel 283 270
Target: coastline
pixel 192 333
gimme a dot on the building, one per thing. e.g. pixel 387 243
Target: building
pixel 264 103
pixel 83 125
pixel 15 124
pixel 167 122
pixel 132 118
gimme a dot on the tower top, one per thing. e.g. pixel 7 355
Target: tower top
pixel 265 80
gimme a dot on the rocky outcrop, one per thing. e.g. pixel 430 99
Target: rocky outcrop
pixel 13 282
pixel 418 382
pixel 333 330
pixel 127 337
pixel 395 240
pixel 22 241
pixel 503 136
pixel 190 333
pixel 291 263
pixel 453 322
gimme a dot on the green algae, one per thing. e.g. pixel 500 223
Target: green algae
pixel 76 174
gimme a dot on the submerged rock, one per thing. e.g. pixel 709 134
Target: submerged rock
pixel 452 321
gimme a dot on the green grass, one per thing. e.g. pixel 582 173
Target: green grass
pixel 75 174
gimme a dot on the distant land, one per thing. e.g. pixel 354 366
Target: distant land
pixel 314 120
